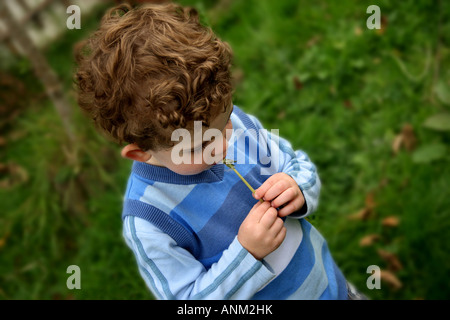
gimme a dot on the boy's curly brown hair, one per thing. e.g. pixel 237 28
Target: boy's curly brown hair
pixel 149 70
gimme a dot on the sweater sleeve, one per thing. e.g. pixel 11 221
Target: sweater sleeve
pixel 296 164
pixel 171 272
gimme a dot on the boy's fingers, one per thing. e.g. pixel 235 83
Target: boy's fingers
pixel 291 207
pixel 284 197
pixel 256 205
pixel 281 234
pixel 269 217
pixel 258 210
pixel 278 188
pixel 271 188
pixel 277 225
pixel 261 191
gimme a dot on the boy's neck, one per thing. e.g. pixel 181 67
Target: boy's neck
pixel 153 161
pixel 163 174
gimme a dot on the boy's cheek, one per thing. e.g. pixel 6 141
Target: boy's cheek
pixel 214 153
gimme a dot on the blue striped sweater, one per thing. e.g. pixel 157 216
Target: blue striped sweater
pixel 182 228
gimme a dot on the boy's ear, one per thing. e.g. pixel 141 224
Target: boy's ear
pixel 133 152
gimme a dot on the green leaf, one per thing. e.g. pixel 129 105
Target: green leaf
pixel 303 77
pixel 430 152
pixel 322 74
pixel 358 63
pixel 442 91
pixel 439 122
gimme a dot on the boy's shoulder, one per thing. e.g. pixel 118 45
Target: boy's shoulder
pixel 247 121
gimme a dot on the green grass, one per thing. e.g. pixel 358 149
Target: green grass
pixel 334 88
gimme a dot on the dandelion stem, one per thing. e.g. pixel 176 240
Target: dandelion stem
pixel 231 166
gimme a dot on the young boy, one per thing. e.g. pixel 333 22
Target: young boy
pixel 157 79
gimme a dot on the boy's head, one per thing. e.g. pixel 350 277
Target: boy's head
pixel 151 70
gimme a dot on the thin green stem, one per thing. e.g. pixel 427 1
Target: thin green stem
pixel 231 166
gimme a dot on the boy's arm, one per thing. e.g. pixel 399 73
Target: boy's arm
pixel 297 165
pixel 171 272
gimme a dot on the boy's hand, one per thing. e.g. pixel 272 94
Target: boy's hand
pixel 281 190
pixel 262 231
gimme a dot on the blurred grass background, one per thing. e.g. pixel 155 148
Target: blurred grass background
pixel 370 107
